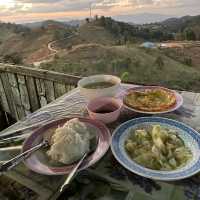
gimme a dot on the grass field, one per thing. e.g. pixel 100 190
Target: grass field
pixel 30 46
pixel 143 66
pixel 187 52
pixel 89 33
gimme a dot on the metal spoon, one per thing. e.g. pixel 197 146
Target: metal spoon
pixel 10 164
pixel 93 145
pixel 72 173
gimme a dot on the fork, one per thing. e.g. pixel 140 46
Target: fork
pixel 10 164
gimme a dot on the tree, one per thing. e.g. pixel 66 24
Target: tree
pixel 137 62
pixel 126 36
pixel 159 62
pixel 96 17
pixel 188 61
pixel 189 34
pixel 13 58
pixel 115 29
pixel 60 34
pixel 87 20
pixel 102 21
pixel 158 35
pixel 196 30
pixel 127 62
pixel 179 36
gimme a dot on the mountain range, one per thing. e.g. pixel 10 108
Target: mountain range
pixel 102 45
pixel 46 23
pixel 34 36
pixel 172 23
pixel 142 18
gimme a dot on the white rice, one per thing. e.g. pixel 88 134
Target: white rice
pixel 70 142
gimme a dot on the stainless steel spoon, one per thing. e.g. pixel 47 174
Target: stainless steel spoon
pixel 93 145
pixel 72 173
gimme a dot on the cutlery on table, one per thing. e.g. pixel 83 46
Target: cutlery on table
pixel 10 164
pixel 12 133
pixel 93 145
pixel 72 173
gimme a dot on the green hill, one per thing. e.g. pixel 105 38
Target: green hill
pixel 143 66
pixel 179 24
pixel 184 28
pixel 101 46
pixel 46 24
pixel 89 33
pixel 8 30
pixel 26 44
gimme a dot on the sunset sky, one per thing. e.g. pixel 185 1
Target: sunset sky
pixel 21 11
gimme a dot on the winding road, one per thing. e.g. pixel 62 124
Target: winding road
pixel 53 51
pixel 51 48
pixel 49 57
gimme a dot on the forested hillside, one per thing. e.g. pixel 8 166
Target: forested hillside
pixel 103 45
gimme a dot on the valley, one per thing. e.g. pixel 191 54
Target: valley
pixel 103 45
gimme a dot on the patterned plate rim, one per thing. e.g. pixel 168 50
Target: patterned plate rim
pixel 163 177
pixel 179 101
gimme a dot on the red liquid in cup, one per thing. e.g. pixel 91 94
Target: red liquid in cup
pixel 106 109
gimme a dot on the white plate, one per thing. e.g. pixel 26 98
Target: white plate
pixel 190 137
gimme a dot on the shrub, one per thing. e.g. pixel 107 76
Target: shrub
pixel 159 62
pixel 69 47
pixel 188 61
pixel 124 76
pixel 137 62
pixel 13 58
pixel 127 62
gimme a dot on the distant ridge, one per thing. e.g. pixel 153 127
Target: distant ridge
pixel 143 18
pixel 179 24
pixel 45 23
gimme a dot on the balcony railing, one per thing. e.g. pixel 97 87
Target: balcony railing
pixel 24 90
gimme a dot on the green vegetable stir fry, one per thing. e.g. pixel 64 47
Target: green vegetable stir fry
pixel 158 148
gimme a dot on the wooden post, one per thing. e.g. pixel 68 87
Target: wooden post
pixel 16 95
pixel 3 120
pixel 32 93
pixel 9 96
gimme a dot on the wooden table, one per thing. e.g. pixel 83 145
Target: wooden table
pixel 120 184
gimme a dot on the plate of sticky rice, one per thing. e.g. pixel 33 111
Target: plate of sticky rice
pixel 69 139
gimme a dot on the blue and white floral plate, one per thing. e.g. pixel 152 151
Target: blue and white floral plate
pixel 190 137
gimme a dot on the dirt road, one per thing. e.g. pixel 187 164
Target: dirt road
pixel 52 50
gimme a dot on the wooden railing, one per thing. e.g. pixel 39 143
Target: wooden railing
pixel 24 90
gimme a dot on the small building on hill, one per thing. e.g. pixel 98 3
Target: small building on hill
pixel 148 45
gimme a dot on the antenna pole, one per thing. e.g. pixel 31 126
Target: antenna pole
pixel 90 10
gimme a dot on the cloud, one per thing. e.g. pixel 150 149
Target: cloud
pixel 49 8
pixel 38 1
pixel 12 7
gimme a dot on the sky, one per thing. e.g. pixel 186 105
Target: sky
pixel 22 11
